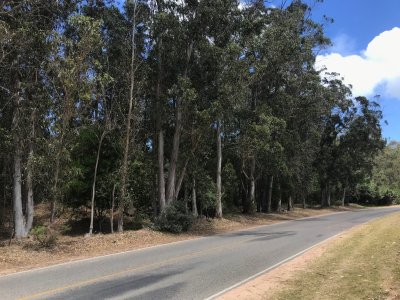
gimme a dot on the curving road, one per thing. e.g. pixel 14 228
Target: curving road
pixel 195 269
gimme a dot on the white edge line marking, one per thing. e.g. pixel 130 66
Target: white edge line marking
pixel 283 261
pixel 272 267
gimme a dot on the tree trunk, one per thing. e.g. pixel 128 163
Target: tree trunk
pixel 303 198
pixel 19 224
pixel 180 180
pixel 124 173
pixel 112 209
pixel 251 203
pixel 161 176
pixel 323 196
pixel 328 195
pixel 29 180
pixel 19 228
pixel 279 204
pixel 185 198
pixel 344 196
pixel 174 155
pixel 194 199
pixel 219 170
pixel 94 182
pixel 344 193
pixel 170 194
pixel 290 203
pixel 53 208
pixel 270 186
pixel 160 134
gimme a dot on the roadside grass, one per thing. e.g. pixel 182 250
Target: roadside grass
pixel 363 265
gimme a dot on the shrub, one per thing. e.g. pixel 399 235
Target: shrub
pixel 174 219
pixel 45 237
pixel 389 198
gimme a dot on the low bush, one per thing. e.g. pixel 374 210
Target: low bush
pixel 44 236
pixel 174 219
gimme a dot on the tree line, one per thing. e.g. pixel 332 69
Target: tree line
pixel 211 106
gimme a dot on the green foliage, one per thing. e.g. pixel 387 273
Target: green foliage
pixel 368 194
pixel 231 189
pixel 174 219
pixel 44 236
pixel 386 172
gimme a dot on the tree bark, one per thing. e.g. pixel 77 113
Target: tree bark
pixel 94 182
pixel 112 209
pixel 19 228
pixel 161 176
pixel 124 171
pixel 344 193
pixel 251 203
pixel 160 133
pixel 269 199
pixel 19 222
pixel 290 203
pixel 53 208
pixel 185 198
pixel 328 195
pixel 219 171
pixel 180 180
pixel 29 179
pixel 170 194
pixel 194 199
pixel 279 204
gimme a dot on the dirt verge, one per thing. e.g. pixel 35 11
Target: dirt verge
pixel 26 255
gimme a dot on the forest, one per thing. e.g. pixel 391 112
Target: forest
pixel 170 110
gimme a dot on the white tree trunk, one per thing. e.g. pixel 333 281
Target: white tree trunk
pixel 170 194
pixel 180 180
pixel 94 182
pixel 19 226
pixel 290 203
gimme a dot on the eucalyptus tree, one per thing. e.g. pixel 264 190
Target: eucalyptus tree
pixel 72 79
pixel 335 122
pixel 359 145
pixel 26 26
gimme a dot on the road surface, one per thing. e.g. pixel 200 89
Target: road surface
pixel 194 269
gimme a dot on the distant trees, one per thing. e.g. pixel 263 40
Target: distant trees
pixel 210 104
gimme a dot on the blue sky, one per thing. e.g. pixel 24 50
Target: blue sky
pixel 366 50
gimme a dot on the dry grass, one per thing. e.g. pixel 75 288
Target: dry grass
pixel 24 255
pixel 365 264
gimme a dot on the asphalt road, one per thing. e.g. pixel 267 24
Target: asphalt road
pixel 195 269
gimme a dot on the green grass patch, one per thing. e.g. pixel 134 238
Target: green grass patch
pixel 363 265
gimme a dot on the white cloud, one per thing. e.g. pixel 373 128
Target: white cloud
pixel 377 66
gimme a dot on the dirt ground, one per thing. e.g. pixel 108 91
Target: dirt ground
pixel 25 254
